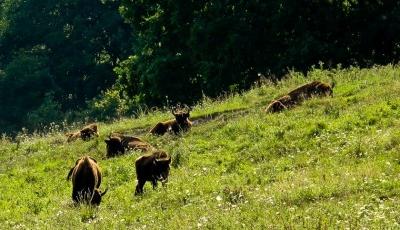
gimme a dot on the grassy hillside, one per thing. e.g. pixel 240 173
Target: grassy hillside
pixel 329 162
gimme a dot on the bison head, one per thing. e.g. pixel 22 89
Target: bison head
pixel 161 164
pixel 181 114
pixel 114 146
pixel 97 194
pixel 88 132
pixel 181 117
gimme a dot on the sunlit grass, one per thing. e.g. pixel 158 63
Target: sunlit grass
pixel 328 163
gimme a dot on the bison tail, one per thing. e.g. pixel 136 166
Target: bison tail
pixel 70 173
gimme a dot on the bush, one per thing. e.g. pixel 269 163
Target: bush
pixel 108 105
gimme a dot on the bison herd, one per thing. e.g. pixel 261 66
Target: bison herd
pixel 154 164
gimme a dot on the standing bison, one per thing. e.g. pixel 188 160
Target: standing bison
pixel 180 123
pixel 119 143
pixel 152 167
pixel 86 180
pixel 85 133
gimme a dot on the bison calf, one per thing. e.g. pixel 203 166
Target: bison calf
pixel 119 143
pixel 85 133
pixel 152 167
pixel 86 180
pixel 180 123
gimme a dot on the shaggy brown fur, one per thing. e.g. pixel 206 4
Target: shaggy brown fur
pixel 180 123
pixel 315 88
pixel 280 104
pixel 275 106
pixel 85 133
pixel 118 143
pixel 296 96
pixel 86 180
pixel 152 167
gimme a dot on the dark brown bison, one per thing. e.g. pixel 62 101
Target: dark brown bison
pixel 118 143
pixel 152 167
pixel 315 88
pixel 85 134
pixel 86 180
pixel 180 123
pixel 296 96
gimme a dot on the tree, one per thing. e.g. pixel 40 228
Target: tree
pixel 187 48
pixel 73 44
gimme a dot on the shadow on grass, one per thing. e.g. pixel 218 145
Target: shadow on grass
pixel 196 120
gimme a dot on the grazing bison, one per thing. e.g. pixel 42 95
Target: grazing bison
pixel 180 123
pixel 296 96
pixel 85 134
pixel 152 167
pixel 86 180
pixel 118 143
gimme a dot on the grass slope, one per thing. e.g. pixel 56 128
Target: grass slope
pixel 331 162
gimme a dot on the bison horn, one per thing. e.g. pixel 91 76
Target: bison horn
pixel 173 111
pixel 104 193
pixel 187 108
pixel 166 159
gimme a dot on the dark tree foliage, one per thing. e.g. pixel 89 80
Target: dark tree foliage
pixel 187 48
pixel 65 48
pixel 58 56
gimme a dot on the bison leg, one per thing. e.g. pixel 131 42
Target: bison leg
pixel 75 196
pixel 154 183
pixel 139 187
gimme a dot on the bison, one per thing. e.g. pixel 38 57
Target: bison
pixel 85 133
pixel 296 96
pixel 118 143
pixel 315 88
pixel 152 167
pixel 86 180
pixel 180 123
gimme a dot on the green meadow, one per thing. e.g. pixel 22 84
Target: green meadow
pixel 331 162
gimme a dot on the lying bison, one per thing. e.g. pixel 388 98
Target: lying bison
pixel 152 167
pixel 86 180
pixel 85 134
pixel 296 96
pixel 118 143
pixel 180 123
pixel 315 88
